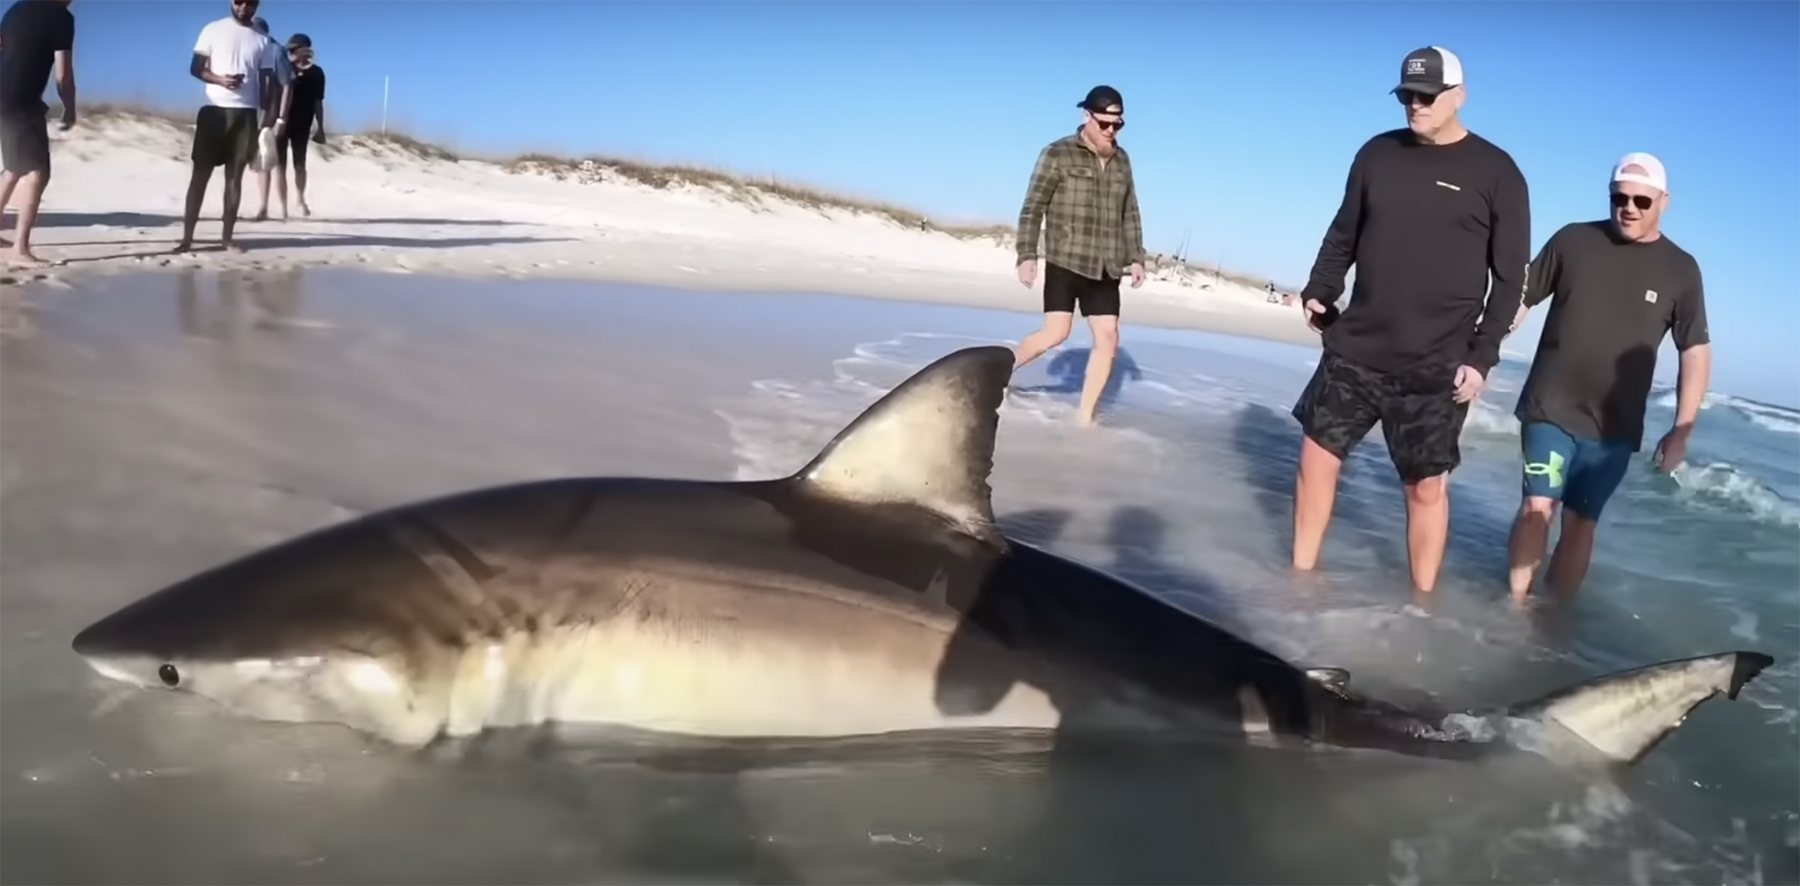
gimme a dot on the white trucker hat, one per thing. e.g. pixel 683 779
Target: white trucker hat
pixel 1642 168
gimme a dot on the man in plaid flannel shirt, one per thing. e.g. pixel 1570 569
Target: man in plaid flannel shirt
pixel 1082 199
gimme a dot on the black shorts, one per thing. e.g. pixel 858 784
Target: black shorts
pixel 1417 409
pixel 25 142
pixel 293 141
pixel 1064 289
pixel 225 136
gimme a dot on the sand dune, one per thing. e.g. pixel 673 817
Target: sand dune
pixel 396 205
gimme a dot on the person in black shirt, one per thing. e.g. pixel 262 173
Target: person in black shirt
pixel 306 117
pixel 35 36
pixel 1428 213
pixel 1616 288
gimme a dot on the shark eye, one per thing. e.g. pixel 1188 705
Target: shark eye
pixel 170 677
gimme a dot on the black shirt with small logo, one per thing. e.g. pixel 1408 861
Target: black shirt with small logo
pixel 1611 303
pixel 1425 225
pixel 32 32
pixel 303 108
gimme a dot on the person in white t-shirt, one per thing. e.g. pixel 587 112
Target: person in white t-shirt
pixel 240 66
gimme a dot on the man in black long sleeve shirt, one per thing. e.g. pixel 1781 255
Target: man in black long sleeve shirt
pixel 1429 212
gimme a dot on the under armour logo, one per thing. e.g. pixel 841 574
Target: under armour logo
pixel 1553 469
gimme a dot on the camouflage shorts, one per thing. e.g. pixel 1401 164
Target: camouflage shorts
pixel 1417 410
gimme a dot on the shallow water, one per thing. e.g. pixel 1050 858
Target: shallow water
pixel 154 426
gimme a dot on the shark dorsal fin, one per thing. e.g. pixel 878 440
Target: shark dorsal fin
pixel 1335 679
pixel 928 443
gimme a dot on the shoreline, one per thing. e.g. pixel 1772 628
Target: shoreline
pixel 393 206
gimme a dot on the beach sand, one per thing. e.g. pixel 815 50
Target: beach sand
pixel 393 205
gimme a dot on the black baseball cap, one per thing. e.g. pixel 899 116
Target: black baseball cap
pixel 1103 100
pixel 1430 70
pixel 299 41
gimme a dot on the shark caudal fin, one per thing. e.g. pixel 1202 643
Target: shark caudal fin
pixel 1626 715
pixel 929 443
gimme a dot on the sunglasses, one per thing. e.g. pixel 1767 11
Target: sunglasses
pixel 1109 125
pixel 1639 200
pixel 1425 99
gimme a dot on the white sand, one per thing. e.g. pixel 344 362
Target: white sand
pixel 115 205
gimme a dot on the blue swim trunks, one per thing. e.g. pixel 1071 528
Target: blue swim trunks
pixel 1579 472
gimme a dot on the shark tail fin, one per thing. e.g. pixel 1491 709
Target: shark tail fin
pixel 1625 715
pixel 928 443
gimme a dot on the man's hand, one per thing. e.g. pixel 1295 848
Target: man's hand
pixel 68 116
pixel 1314 311
pixel 1469 382
pixel 231 82
pixel 1028 272
pixel 1137 275
pixel 1671 450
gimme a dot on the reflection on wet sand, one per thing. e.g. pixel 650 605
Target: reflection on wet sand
pixel 264 299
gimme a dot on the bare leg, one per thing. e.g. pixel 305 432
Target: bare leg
pixel 190 213
pixel 8 181
pixel 1315 492
pixel 1427 528
pixel 31 193
pixel 281 189
pixel 1054 332
pixel 1530 538
pixel 234 193
pixel 1574 551
pixel 300 190
pixel 1100 364
pixel 262 189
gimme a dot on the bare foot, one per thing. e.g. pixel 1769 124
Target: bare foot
pixel 305 210
pixel 5 243
pixel 261 215
pixel 184 247
pixel 234 247
pixel 25 261
pixel 1086 421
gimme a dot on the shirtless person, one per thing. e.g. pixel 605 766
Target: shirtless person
pixel 1082 192
pixel 238 64
pixel 1616 288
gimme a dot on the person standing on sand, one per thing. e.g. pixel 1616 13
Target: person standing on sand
pixel 239 66
pixel 306 120
pixel 263 173
pixel 36 36
pixel 1428 211
pixel 1083 198
pixel 1617 287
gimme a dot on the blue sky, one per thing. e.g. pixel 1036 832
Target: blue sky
pixel 1242 116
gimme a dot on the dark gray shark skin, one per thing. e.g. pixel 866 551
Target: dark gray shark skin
pixel 869 593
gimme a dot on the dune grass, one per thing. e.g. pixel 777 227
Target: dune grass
pixel 747 189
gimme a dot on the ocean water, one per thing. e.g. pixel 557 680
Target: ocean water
pixel 153 426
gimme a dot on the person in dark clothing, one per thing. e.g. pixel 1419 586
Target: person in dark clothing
pixel 36 37
pixel 1616 287
pixel 1428 212
pixel 306 121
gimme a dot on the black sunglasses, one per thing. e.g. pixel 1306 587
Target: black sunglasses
pixel 1639 200
pixel 1110 125
pixel 1427 99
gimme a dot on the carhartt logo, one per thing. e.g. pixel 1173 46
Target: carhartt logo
pixel 1415 66
pixel 1650 296
pixel 1553 469
pixel 1448 185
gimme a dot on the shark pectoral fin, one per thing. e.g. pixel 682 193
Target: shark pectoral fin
pixel 1335 679
pixel 1626 715
pixel 928 443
